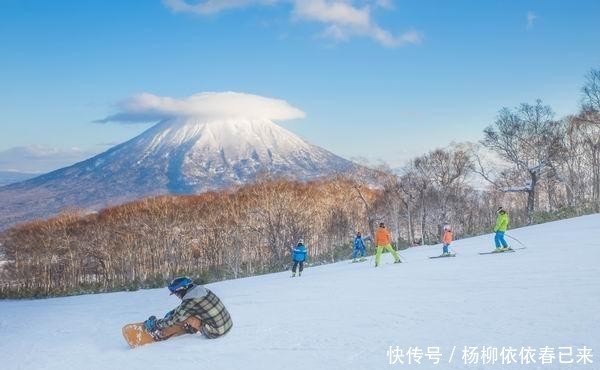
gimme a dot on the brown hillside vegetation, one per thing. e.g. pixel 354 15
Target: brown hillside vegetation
pixel 210 236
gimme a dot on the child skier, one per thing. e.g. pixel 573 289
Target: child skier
pixel 298 256
pixel 383 240
pixel 359 247
pixel 211 316
pixel 500 230
pixel 446 241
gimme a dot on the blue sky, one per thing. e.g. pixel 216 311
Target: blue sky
pixel 385 80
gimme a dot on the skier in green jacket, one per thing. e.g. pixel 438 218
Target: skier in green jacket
pixel 500 229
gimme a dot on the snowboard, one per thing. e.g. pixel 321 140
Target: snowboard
pixel 440 256
pixel 136 335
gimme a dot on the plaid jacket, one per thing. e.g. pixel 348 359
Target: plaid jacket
pixel 206 306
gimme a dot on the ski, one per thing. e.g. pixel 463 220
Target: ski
pixel 442 256
pixel 392 263
pixel 508 251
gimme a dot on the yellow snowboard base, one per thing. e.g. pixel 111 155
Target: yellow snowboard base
pixel 136 335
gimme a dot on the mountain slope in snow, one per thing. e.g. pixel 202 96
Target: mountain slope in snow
pixel 346 316
pixel 179 155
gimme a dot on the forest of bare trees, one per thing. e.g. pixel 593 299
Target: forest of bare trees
pixel 210 236
pixel 536 165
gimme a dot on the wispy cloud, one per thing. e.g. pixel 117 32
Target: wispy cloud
pixel 385 4
pixel 147 107
pixel 343 19
pixel 212 6
pixel 40 159
pixel 531 17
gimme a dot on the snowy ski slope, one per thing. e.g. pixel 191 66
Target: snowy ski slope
pixel 345 316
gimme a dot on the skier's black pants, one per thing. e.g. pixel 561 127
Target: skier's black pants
pixel 296 263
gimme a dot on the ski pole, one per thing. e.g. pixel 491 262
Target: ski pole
pixel 401 256
pixel 372 247
pixel 517 240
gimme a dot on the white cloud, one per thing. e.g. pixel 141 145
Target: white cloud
pixel 385 4
pixel 338 13
pixel 211 6
pixel 40 159
pixel 531 17
pixel 342 19
pixel 147 107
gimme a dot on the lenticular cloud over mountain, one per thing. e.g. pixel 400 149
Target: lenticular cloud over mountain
pixel 206 106
pixel 208 141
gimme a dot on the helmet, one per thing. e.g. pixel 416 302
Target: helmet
pixel 381 224
pixel 180 284
pixel 446 227
pixel 500 209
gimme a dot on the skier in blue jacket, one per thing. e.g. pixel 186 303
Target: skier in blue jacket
pixel 359 247
pixel 298 256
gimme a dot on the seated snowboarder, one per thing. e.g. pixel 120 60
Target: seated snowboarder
pixel 359 247
pixel 298 256
pixel 213 319
pixel 446 241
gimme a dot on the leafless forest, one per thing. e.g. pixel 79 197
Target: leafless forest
pixel 534 164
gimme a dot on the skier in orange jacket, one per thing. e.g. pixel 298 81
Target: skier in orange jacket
pixel 383 240
pixel 446 240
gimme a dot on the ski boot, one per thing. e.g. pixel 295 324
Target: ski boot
pixel 398 261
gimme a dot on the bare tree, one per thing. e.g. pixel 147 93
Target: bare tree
pixel 529 138
pixel 446 170
pixel 588 124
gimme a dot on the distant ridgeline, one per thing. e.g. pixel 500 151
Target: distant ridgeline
pixel 10 177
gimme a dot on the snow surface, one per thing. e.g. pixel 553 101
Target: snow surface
pixel 343 316
pixel 235 137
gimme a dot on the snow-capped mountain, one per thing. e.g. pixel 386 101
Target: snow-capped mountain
pixel 176 156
